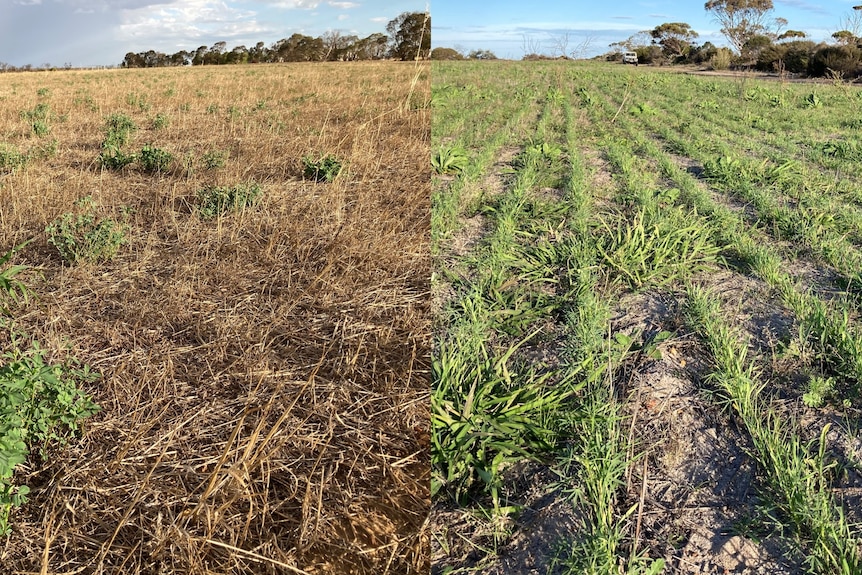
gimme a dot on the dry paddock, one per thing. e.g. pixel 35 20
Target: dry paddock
pixel 264 375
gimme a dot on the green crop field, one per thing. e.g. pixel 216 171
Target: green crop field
pixel 647 347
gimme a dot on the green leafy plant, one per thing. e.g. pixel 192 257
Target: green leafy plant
pixel 218 200
pixel 485 414
pixel 9 286
pixel 160 121
pixel 40 128
pixel 11 159
pixel 118 130
pixel 84 236
pixel 41 112
pixel 644 110
pixel 214 159
pixel 449 160
pixel 812 100
pixel 154 159
pixel 819 391
pixel 321 170
pixel 39 403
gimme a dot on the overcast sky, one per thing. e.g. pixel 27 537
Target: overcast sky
pixel 507 27
pixel 101 32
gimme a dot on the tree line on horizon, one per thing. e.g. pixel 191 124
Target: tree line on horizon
pixel 409 38
pixel 757 39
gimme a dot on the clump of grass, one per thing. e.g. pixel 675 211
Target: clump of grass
pixel 37 401
pixel 485 414
pixel 215 201
pixel 214 159
pixel 154 159
pixel 84 236
pixel 656 250
pixel 322 170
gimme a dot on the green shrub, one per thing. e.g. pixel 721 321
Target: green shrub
pixel 218 200
pixel 84 236
pixel 322 170
pixel 154 159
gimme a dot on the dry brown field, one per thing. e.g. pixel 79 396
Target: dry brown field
pixel 264 383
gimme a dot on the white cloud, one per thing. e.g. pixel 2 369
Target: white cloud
pixel 380 19
pixel 344 5
pixel 187 20
pixel 343 17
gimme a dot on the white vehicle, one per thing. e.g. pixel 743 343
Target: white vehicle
pixel 630 58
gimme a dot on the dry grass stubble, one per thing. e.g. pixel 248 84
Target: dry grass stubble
pixel 265 374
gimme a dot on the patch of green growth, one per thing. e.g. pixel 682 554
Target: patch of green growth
pixel 820 389
pixel 40 403
pixel 154 159
pixel 322 170
pixel 43 92
pixel 11 288
pixel 160 121
pixel 11 158
pixel 449 160
pixel 41 128
pixel 118 130
pixel 41 112
pixel 215 201
pixel 214 159
pixel 138 100
pixel 83 235
pixel 655 250
pixel 485 414
pixel 812 100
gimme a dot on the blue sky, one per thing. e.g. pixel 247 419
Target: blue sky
pixel 509 27
pixel 101 32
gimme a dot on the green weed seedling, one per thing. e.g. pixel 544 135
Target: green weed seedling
pixel 323 170
pixel 154 159
pixel 214 159
pixel 215 201
pixel 118 130
pixel 10 287
pixel 160 121
pixel 84 236
pixel 11 159
pixel 38 402
pixel 449 160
